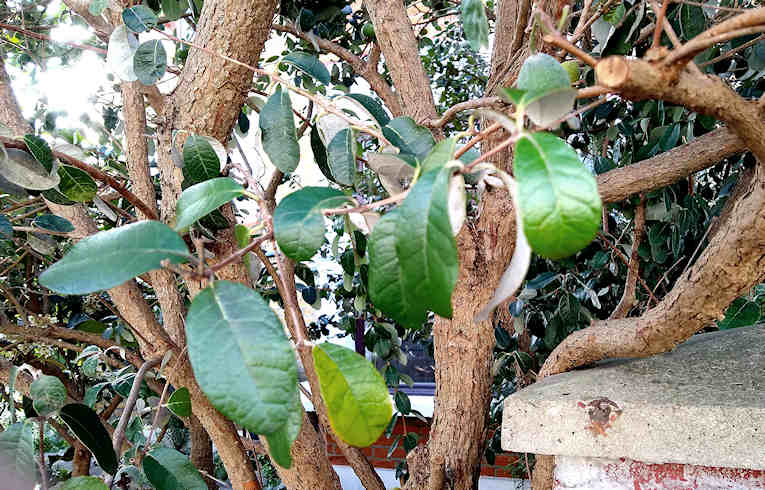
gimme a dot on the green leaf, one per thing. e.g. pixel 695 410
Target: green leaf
pixel 76 184
pixel 299 223
pixel 410 138
pixel 280 442
pixel 200 161
pixel 201 199
pixel 167 469
pixel 558 197
pixel 279 136
pixel 740 313
pixel 440 154
pixel 39 149
pixel 54 196
pixel 6 227
pixel 241 357
pixel 180 402
pixel 413 255
pixel 310 64
pixel 403 404
pixel 91 394
pixel 87 426
pixel 549 95
pixel 83 483
pixel 150 62
pixel 21 168
pixel 374 108
pixel 475 24
pixel 97 7
pixel 358 404
pixel 174 9
pixel 514 95
pixel 341 157
pixel 139 18
pixel 109 258
pixel 48 394
pixel 53 223
pixel 17 452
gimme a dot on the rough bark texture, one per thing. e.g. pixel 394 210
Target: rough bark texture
pixel 400 48
pixel 10 112
pixel 81 461
pixel 202 450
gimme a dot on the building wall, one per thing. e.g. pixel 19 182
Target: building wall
pixel 506 465
pixel 624 474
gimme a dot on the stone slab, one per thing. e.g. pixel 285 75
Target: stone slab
pixel 702 404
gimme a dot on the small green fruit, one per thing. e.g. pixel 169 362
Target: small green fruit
pixel 572 68
pixel 368 30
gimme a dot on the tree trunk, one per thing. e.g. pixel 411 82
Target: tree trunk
pixel 202 451
pixel 81 461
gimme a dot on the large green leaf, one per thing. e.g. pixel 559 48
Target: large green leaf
pixel 341 157
pixel 201 199
pixel 180 402
pixel 374 108
pixel 174 9
pixel 39 148
pixel 279 136
pixel 17 452
pixel 299 223
pixel 150 62
pixel 76 184
pixel 280 442
pixel 167 469
pixel 48 394
pixel 409 137
pixel 200 160
pixel 241 357
pixel 413 255
pixel 53 223
pixel 83 483
pixel 357 399
pixel 55 196
pixel 139 18
pixel 87 426
pixel 21 168
pixel 740 313
pixel 109 258
pixel 320 153
pixel 310 64
pixel 475 24
pixel 558 197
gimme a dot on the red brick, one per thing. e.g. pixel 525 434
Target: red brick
pixel 366 451
pixel 380 452
pixel 487 470
pixel 384 463
pixel 503 473
pixel 338 460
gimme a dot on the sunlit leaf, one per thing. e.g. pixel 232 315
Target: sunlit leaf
pixel 548 93
pixel 241 357
pixel 97 7
pixel 557 196
pixel 394 173
pixel 371 106
pixel 75 184
pixel 180 402
pixel 109 258
pixel 357 399
pixel 174 9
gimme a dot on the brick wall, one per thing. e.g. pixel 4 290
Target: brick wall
pixel 505 464
pixel 574 473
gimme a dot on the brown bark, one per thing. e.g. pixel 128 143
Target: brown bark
pixel 202 450
pixel 80 461
pixel 399 46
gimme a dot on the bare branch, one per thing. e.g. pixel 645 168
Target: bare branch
pixel 450 113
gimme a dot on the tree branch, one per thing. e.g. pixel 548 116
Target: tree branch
pixel 367 70
pixel 450 113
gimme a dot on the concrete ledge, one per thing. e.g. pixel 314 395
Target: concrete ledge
pixel 703 404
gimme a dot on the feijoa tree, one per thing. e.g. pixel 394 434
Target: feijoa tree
pixel 438 212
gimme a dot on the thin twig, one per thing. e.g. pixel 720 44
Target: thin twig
pixel 367 207
pixel 237 255
pixel 661 15
pixel 449 114
pixel 33 229
pixel 43 37
pixel 633 269
pixel 729 54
